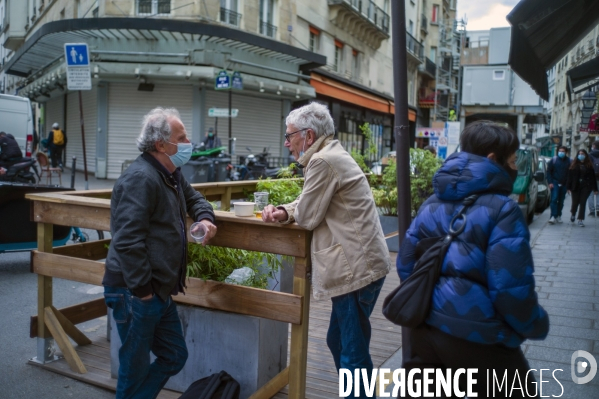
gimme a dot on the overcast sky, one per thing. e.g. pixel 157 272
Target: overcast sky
pixel 485 14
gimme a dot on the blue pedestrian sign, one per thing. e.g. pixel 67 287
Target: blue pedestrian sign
pixel 76 54
pixel 223 81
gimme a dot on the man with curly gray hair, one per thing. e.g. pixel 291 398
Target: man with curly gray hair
pixel 349 255
pixel 147 259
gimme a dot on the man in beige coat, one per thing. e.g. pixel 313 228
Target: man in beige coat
pixel 350 258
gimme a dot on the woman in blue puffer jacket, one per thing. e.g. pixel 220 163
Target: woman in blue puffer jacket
pixel 484 304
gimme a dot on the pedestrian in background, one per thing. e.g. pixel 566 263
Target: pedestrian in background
pixel 594 155
pixel 557 176
pixel 57 141
pixel 484 304
pixel 147 259
pixel 350 258
pixel 581 182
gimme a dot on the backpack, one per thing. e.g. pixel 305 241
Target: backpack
pixel 58 137
pixel 216 386
pixel 409 304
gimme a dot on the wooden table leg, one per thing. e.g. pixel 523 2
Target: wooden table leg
pixel 298 361
pixel 44 296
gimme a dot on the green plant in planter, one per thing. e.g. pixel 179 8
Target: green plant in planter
pixel 423 166
pixel 370 150
pixel 217 263
pixel 283 190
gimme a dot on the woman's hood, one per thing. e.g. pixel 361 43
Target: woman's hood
pixel 464 174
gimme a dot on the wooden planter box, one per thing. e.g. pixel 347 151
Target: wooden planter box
pixel 390 225
pixel 252 349
pixel 255 307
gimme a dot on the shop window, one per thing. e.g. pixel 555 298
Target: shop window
pixel 153 7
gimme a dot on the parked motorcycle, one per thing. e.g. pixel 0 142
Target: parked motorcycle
pixel 21 171
pixel 257 166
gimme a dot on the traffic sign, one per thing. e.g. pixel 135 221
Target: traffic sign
pixel 76 54
pixel 222 112
pixel 223 81
pixel 237 80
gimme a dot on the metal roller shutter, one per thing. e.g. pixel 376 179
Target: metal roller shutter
pixel 257 125
pixel 73 128
pixel 54 113
pixel 126 109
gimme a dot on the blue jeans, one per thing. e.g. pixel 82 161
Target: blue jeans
pixel 144 326
pixel 349 332
pixel 558 193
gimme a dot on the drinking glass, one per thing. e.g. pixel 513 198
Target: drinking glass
pixel 198 231
pixel 261 200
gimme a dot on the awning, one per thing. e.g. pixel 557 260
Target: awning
pixel 335 87
pixel 183 41
pixel 583 77
pixel 543 31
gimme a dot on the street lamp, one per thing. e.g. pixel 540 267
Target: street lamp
pixel 589 99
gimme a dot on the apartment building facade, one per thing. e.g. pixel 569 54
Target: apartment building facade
pixel 567 107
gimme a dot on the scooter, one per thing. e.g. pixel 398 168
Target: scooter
pixel 20 172
pixel 257 166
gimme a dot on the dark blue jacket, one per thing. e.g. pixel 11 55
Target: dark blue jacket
pixel 486 292
pixel 557 170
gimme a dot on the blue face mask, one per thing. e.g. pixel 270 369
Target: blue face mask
pixel 581 157
pixel 561 154
pixel 183 154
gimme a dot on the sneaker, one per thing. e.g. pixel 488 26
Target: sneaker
pixel 572 218
pixel 559 219
pixel 580 223
pixel 551 220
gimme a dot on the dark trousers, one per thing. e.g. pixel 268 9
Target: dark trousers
pixel 579 200
pixel 432 348
pixel 349 332
pixel 56 155
pixel 146 326
pixel 558 193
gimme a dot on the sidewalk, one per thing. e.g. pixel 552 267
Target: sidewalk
pixel 566 260
pixel 92 182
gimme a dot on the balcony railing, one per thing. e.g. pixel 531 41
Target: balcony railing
pixel 267 29
pixel 230 17
pixel 370 10
pixel 427 97
pixel 424 23
pixel 430 67
pixel 414 46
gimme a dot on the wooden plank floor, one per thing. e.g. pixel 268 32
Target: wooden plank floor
pixel 322 379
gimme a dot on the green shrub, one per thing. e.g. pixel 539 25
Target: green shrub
pixel 217 263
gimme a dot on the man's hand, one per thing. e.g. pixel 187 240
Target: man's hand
pixel 551 186
pixel 210 231
pixel 271 214
pixel 2 171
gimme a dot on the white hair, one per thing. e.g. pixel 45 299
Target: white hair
pixel 313 116
pixel 155 128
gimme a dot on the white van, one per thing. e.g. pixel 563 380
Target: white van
pixel 16 118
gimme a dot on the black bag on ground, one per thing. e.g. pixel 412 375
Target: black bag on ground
pixel 409 304
pixel 216 386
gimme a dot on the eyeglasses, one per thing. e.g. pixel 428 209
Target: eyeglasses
pixel 287 135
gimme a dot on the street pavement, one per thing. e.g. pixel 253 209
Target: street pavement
pixel 566 270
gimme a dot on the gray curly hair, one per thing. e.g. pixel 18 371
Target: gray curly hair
pixel 155 128
pixel 313 116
